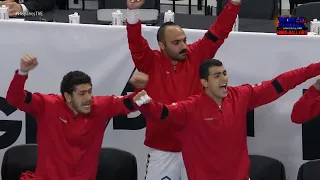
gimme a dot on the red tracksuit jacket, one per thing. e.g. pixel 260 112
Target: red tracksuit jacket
pixel 167 85
pixel 214 141
pixel 68 145
pixel 307 107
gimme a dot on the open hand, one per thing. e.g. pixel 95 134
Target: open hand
pixel 134 4
pixel 28 62
pixel 141 98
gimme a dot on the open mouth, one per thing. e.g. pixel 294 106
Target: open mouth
pixel 86 106
pixel 224 87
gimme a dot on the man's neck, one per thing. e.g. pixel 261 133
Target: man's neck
pixel 216 99
pixel 74 111
pixel 174 62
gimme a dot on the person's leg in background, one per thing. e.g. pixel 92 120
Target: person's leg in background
pixel 162 165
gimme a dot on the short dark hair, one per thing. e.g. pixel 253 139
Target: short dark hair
pixel 206 65
pixel 162 29
pixel 72 79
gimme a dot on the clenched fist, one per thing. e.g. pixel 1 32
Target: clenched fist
pixel 236 2
pixel 28 62
pixel 141 98
pixel 134 4
pixel 317 85
pixel 139 80
pixel 14 8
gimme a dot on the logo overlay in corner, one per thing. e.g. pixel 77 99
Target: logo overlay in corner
pixel 291 26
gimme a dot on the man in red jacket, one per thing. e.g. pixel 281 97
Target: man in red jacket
pixel 212 125
pixel 70 126
pixel 173 73
pixel 308 106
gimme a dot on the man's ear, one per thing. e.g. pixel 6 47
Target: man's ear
pixel 67 96
pixel 204 83
pixel 161 45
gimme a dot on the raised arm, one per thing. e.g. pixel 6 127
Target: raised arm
pixel 207 46
pixel 113 105
pixel 122 105
pixel 308 106
pixel 177 113
pixel 269 91
pixel 142 54
pixel 23 100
